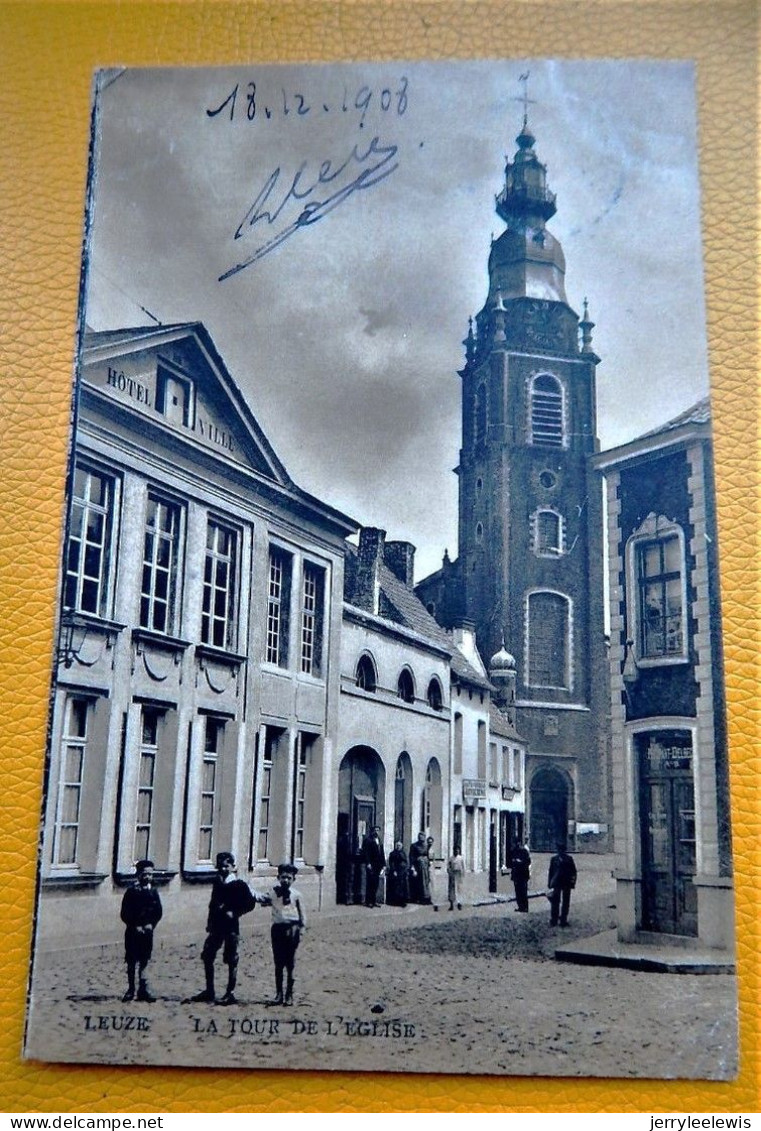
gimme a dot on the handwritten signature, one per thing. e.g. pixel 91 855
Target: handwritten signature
pixel 376 162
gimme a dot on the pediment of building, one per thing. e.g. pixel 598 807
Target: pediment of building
pixel 177 381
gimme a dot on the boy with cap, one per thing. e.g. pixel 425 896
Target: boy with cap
pixel 288 921
pixel 141 911
pixel 230 898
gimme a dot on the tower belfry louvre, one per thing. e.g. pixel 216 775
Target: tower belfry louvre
pixel 529 568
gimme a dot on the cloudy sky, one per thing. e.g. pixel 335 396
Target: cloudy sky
pixel 345 331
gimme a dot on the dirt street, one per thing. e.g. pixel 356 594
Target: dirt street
pixel 476 991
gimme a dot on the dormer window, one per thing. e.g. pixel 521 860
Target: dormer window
pixel 173 397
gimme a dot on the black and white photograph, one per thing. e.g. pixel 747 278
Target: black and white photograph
pixel 387 720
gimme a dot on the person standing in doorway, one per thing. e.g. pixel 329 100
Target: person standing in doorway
pixel 374 861
pixel 420 871
pixel 397 877
pixel 520 873
pixel 561 880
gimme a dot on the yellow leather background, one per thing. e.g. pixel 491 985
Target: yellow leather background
pixel 48 52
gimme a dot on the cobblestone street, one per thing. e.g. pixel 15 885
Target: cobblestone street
pixel 476 991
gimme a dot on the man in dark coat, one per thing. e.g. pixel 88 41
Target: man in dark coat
pixel 520 872
pixel 561 880
pixel 141 911
pixel 374 860
pixel 230 898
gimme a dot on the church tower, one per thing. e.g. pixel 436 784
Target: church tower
pixel 530 570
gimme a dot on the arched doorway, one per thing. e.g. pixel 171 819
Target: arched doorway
pixel 432 798
pixel 550 806
pixel 403 800
pixel 361 790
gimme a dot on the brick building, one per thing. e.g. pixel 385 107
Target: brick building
pixel 529 571
pixel 669 741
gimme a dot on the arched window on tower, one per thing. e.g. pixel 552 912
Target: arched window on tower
pixel 546 411
pixel 480 415
pixel 366 678
pixel 548 640
pixel 547 533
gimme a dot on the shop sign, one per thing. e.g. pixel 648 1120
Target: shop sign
pixel 473 787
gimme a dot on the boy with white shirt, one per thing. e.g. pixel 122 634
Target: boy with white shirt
pixel 288 921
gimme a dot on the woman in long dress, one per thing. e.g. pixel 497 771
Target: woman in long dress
pixel 420 871
pixel 397 877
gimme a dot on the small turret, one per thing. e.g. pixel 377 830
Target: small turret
pixel 502 674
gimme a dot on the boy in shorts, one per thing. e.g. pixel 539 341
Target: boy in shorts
pixel 230 898
pixel 288 921
pixel 141 911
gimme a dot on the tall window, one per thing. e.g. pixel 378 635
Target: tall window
pixel 546 411
pixel 480 415
pixel 146 781
pixel 548 640
pixel 265 795
pixel 86 584
pixel 659 579
pixel 304 746
pixel 548 533
pixel 158 597
pixel 312 605
pixel 278 602
pixel 481 749
pixel 218 617
pixel 73 746
pixel 212 749
pixel 507 768
pixel 458 743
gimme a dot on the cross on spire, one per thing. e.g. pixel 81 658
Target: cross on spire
pixel 524 98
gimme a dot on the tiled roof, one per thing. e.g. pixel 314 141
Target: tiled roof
pixel 398 604
pixel 699 413
pixel 415 615
pixel 501 725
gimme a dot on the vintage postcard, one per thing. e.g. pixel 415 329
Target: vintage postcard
pixel 387 722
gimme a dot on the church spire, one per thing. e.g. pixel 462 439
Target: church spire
pixel 526 261
pixel 525 198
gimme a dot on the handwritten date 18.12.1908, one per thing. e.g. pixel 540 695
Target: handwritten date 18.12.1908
pixel 246 103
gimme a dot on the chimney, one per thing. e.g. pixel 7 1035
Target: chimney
pixel 369 557
pixel 400 559
pixel 464 637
